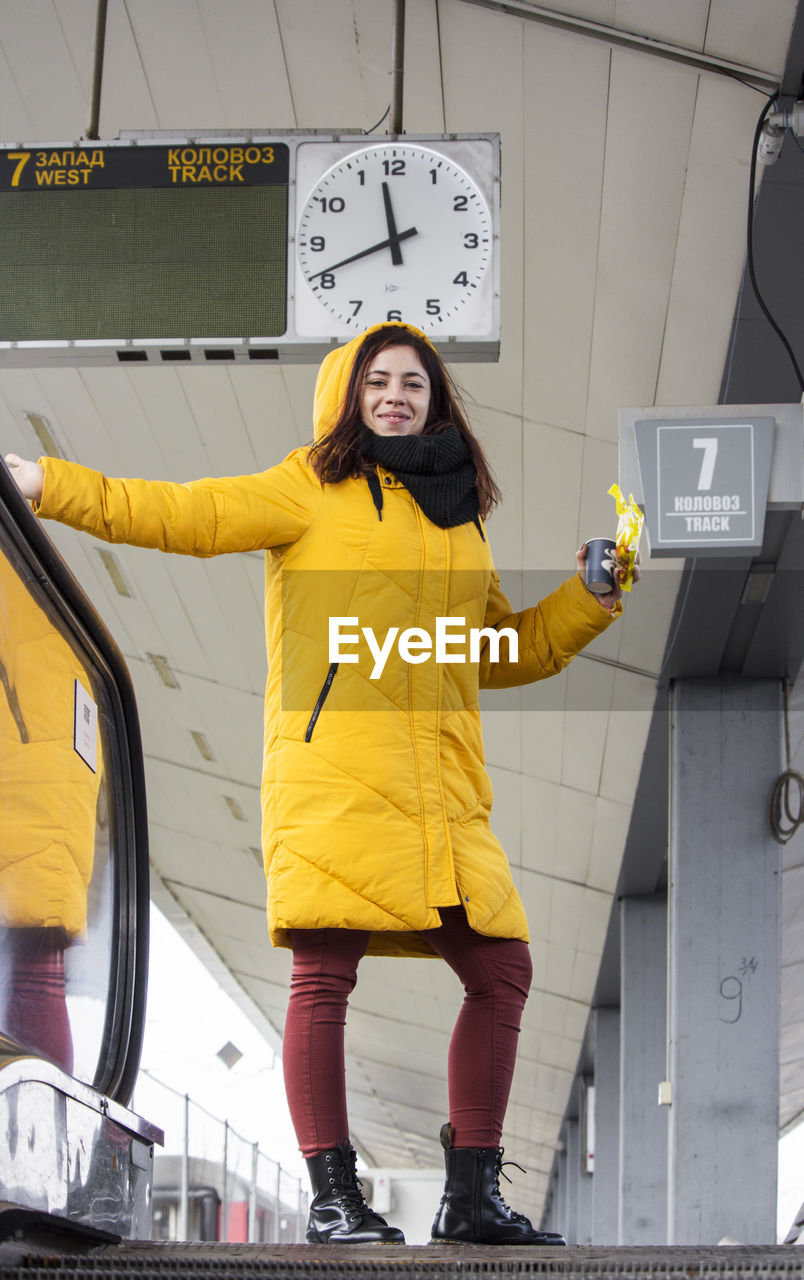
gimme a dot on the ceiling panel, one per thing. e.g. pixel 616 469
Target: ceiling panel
pixel 683 22
pixel 43 72
pixel 349 36
pixel 562 203
pixel 754 34
pixel 473 41
pixel 698 319
pixel 244 39
pixel 647 137
pixel 187 102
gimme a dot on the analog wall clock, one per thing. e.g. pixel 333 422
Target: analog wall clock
pixel 396 231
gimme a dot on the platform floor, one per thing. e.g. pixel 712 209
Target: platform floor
pixel 275 1262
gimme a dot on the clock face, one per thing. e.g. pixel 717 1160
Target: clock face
pixel 395 232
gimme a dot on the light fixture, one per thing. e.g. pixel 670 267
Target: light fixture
pixel 234 808
pixel 758 583
pixel 112 566
pixel 777 125
pixel 162 669
pixel 204 749
pixel 41 429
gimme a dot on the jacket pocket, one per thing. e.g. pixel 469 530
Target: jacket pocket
pixel 320 700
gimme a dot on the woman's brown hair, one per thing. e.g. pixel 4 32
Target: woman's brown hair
pixel 338 455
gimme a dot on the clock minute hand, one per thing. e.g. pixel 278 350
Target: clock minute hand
pixel 393 235
pixel 364 253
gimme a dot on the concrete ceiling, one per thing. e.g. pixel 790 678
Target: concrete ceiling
pixel 623 207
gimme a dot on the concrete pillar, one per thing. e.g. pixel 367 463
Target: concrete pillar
pixel 549 1219
pixel 561 1192
pixel 643 1025
pixel 572 1170
pixel 585 1178
pixel 607 1126
pixel 724 962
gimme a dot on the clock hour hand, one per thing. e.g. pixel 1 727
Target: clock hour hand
pixel 393 235
pixel 364 253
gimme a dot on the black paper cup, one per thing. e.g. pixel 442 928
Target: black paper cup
pixel 601 560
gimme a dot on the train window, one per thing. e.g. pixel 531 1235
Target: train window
pixel 56 891
pixel 73 925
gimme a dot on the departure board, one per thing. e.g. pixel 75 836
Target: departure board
pixel 120 242
pixel 160 247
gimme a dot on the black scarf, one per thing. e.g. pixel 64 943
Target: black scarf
pixel 438 470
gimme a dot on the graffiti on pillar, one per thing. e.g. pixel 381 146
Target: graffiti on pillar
pixel 731 989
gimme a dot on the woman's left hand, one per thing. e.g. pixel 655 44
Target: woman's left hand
pixel 609 600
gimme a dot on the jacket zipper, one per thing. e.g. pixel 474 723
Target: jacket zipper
pixel 14 705
pixel 322 697
pixel 480 1175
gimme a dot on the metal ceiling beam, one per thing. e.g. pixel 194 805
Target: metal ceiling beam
pixel 397 67
pixel 636 43
pixel 97 69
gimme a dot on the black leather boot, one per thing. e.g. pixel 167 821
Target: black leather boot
pixel 472 1210
pixel 338 1212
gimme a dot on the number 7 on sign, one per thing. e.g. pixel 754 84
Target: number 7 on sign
pixel 709 446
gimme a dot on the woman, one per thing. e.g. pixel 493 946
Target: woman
pixel 375 798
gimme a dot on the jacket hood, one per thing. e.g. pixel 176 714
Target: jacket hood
pixel 336 369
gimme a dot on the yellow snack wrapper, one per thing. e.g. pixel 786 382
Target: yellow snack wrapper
pixel 629 529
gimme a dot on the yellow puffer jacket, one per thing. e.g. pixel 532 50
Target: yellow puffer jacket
pixel 375 797
pixel 48 793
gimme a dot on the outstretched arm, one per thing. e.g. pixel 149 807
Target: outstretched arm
pixel 202 518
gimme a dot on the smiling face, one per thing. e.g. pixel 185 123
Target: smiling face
pixel 395 396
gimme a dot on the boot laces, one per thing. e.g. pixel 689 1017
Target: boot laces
pixel 499 1168
pixel 346 1185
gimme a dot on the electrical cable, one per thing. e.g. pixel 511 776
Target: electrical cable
pixel 786 812
pixel 750 245
pixel 379 122
pixel 746 83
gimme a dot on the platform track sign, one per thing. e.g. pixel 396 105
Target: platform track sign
pixel 115 241
pixel 705 484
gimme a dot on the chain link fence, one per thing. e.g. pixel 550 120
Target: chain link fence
pixel 211 1183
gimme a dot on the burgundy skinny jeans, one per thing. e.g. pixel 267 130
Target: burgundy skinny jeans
pixel 496 975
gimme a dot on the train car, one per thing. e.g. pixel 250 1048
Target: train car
pixel 77 1164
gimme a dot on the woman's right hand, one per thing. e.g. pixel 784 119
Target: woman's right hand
pixel 30 476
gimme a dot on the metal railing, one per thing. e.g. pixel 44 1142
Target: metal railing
pixel 211 1183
